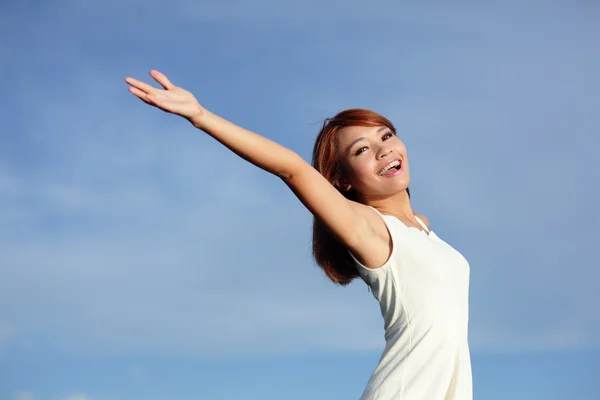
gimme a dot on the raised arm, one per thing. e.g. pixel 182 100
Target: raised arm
pixel 252 147
pixel 353 224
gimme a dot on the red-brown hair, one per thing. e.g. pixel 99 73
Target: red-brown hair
pixel 330 254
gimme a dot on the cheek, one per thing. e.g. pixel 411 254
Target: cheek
pixel 402 149
pixel 360 170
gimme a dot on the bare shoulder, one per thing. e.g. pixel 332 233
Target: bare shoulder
pixel 424 219
pixel 375 244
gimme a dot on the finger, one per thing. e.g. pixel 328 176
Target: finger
pixel 141 94
pixel 140 85
pixel 162 79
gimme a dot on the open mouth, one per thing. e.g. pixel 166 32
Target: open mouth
pixel 391 166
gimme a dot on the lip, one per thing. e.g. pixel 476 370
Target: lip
pixel 396 171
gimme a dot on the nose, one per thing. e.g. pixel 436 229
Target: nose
pixel 383 152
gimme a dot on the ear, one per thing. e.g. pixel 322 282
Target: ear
pixel 341 182
pixel 345 186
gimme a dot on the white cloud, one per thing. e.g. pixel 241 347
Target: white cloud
pixel 78 396
pixel 24 395
pixel 139 236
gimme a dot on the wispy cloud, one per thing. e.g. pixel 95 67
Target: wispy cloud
pixel 138 235
pixel 24 395
pixel 78 396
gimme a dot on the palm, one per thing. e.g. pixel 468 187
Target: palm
pixel 171 98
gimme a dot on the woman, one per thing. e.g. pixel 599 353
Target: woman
pixel 357 190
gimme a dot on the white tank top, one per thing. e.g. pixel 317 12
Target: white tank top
pixel 422 290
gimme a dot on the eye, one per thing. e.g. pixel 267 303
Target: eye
pixel 387 136
pixel 359 151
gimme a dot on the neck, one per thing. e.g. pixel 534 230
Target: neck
pixel 397 205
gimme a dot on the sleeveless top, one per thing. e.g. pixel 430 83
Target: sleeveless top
pixel 422 290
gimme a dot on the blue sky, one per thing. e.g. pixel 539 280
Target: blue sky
pixel 141 260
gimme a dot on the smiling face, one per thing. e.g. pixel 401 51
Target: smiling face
pixel 374 161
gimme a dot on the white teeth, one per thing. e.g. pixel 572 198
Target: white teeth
pixel 392 164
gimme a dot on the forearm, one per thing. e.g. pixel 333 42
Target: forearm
pixel 260 151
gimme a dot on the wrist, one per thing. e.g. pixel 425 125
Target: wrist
pixel 199 118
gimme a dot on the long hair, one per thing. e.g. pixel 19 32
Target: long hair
pixel 328 252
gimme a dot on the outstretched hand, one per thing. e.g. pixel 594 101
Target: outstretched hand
pixel 171 98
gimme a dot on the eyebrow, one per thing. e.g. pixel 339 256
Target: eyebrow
pixel 362 138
